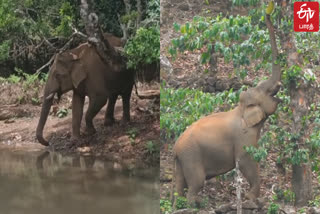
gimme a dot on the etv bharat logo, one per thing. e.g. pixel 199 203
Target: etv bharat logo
pixel 306 16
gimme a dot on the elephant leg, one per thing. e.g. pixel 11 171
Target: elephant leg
pixel 180 181
pixel 77 112
pixel 126 107
pixel 95 104
pixel 109 116
pixel 195 178
pixel 250 170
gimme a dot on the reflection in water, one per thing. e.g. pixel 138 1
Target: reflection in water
pixel 45 182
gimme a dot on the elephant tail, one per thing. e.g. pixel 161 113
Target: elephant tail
pixel 135 86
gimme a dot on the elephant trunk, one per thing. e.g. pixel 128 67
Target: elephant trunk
pixel 272 85
pixel 43 118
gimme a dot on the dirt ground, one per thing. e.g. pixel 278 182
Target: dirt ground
pixel 135 143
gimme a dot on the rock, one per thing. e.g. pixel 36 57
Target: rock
pixel 5 114
pixel 165 65
pixel 289 209
pixel 185 211
pixel 203 212
pixel 166 5
pixel 232 212
pixel 314 210
pixel 84 149
pixel 261 202
pixel 209 89
pixel 183 7
pixel 178 1
pixel 10 120
pixel 223 209
pixel 249 205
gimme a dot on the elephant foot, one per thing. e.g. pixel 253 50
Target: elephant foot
pixel 90 131
pixel 74 140
pixel 250 196
pixel 125 121
pixel 108 122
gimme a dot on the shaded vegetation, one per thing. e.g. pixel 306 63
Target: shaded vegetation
pixel 32 31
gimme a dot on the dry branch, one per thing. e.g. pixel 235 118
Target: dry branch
pixel 65 47
pixel 150 94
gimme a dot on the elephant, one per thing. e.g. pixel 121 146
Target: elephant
pixel 82 70
pixel 212 145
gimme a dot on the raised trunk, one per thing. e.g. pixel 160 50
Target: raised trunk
pixel 272 85
pixel 43 118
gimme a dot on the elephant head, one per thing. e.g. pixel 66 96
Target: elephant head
pixel 258 103
pixel 66 73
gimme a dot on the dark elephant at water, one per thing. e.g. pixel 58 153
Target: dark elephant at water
pixel 83 71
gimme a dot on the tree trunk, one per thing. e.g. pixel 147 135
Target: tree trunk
pixel 95 36
pixel 301 184
pixel 301 94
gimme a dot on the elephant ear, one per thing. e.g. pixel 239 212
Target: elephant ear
pixel 78 73
pixel 253 115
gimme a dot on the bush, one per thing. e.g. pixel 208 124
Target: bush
pixel 144 47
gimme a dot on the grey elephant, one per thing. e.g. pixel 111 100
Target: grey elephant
pixel 212 145
pixel 83 71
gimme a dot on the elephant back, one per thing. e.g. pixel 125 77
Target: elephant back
pixel 113 40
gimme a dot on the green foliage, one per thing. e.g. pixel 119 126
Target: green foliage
pixel 14 79
pixel 153 13
pixel 235 38
pixel 4 50
pixel 181 203
pixel 284 195
pixel 258 154
pixel 35 29
pixel 302 210
pixel 204 202
pixel 245 2
pixel 62 112
pixel 294 74
pixel 144 47
pixel 67 18
pixel 180 108
pixel 129 17
pixel 308 45
pixel 165 206
pixel 315 202
pixel 133 132
pixel 152 148
pixel 273 208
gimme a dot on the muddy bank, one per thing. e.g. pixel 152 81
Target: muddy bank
pixel 135 143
